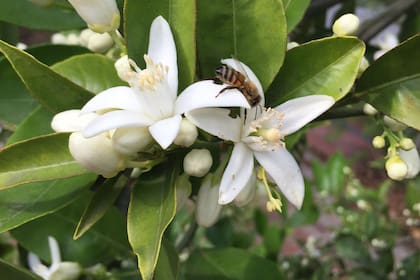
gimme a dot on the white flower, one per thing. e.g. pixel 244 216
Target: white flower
pixel 260 136
pixel 151 99
pixel 346 25
pixel 58 270
pixel 100 15
pixel 385 43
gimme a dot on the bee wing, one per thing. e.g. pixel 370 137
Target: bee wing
pixel 239 67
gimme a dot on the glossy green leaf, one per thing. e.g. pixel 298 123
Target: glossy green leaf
pixel 230 263
pixel 9 271
pixel 168 263
pixel 26 202
pixel 93 72
pixel 251 31
pixel 105 242
pixel 37 159
pixel 25 13
pixel 51 89
pixel 326 66
pixel 15 101
pixel 36 124
pixel 9 32
pixel 180 14
pixel 152 207
pixel 392 83
pixel 101 201
pixel 294 9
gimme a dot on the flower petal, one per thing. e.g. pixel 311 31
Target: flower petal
pixel 115 119
pixel 206 94
pixel 54 250
pixel 241 67
pixel 412 160
pixel 285 171
pixel 116 98
pixel 165 131
pixel 237 173
pixel 217 122
pixel 162 50
pixel 300 111
pixel 71 121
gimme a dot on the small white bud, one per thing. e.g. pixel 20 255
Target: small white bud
pixel 187 134
pixel 291 45
pixel 247 194
pixel 96 154
pixel 59 39
pixel 364 64
pixel 85 35
pixel 131 140
pixel 362 204
pixel 73 39
pixel 100 43
pixel 406 144
pixel 396 168
pixel 394 125
pixel 412 160
pixel 123 67
pixel 100 15
pixel 65 271
pixel 198 162
pixel 71 121
pixel 346 25
pixel 369 109
pixel 208 209
pixel 378 142
pixel 21 46
pixel 183 190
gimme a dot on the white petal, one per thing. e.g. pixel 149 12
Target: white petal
pixel 71 121
pixel 300 111
pixel 162 50
pixel 217 122
pixel 237 173
pixel 115 119
pixel 206 94
pixel 284 170
pixel 165 131
pixel 113 98
pixel 248 192
pixel 412 160
pixel 54 250
pixel 34 262
pixel 251 75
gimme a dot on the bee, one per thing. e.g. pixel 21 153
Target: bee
pixel 238 80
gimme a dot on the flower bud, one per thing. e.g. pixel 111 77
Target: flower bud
pixel 59 39
pixel 394 125
pixel 369 109
pixel 247 193
pixel 96 154
pixel 412 160
pixel 100 15
pixel 198 162
pixel 378 142
pixel 71 121
pixel 208 209
pixel 346 25
pixel 364 64
pixel 21 46
pixel 183 190
pixel 100 43
pixel 131 140
pixel 123 67
pixel 396 168
pixel 291 45
pixel 407 144
pixel 85 36
pixel 65 271
pixel 187 134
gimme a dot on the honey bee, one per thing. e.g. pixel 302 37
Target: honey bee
pixel 238 80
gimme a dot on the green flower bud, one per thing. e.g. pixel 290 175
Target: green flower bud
pixel 378 142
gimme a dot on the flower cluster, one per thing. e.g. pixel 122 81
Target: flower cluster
pixel 133 126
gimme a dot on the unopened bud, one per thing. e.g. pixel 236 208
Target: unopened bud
pixel 394 125
pixel 198 162
pixel 406 144
pixel 412 160
pixel 369 109
pixel 208 209
pixel 59 39
pixel 291 45
pixel 396 168
pixel 73 39
pixel 187 134
pixel 378 142
pixel 123 67
pixel 346 25
pixel 131 140
pixel 100 43
pixel 85 35
pixel 364 64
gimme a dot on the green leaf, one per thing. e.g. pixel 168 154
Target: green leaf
pixel 181 17
pixel 93 72
pixel 105 242
pixel 9 271
pixel 101 201
pixel 15 101
pixel 168 264
pixel 9 32
pixel 25 13
pixel 230 263
pixel 273 239
pixel 326 66
pixel 36 124
pixel 152 208
pixel 37 159
pixel 295 9
pixel 350 247
pixel 392 83
pixel 52 90
pixel 23 203
pixel 252 31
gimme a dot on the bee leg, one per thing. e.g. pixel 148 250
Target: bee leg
pixel 226 88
